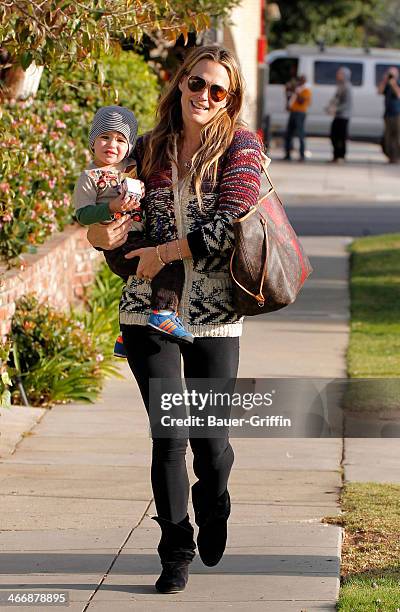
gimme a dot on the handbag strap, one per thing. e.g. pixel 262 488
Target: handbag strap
pixel 265 162
pixel 260 296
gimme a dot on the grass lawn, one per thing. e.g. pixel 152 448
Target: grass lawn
pixel 374 348
pixel 371 549
pixel 371 511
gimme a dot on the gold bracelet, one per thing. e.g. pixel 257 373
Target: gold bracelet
pixel 179 249
pixel 160 259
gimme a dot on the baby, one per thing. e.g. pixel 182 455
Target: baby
pixel 103 193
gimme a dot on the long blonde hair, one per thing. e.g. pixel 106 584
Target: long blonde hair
pixel 216 135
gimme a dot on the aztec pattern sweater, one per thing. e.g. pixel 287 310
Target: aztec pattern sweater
pixel 206 305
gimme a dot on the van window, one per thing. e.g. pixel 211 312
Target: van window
pixel 282 69
pixel 380 70
pixel 325 72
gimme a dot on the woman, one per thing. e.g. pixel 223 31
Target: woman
pixel 341 105
pixel 201 169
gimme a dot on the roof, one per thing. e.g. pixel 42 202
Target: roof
pixel 316 49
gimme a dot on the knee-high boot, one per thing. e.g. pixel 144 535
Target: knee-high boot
pixel 211 516
pixel 176 550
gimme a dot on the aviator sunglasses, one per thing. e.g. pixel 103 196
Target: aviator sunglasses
pixel 197 83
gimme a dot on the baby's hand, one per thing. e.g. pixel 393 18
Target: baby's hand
pixel 118 203
pixel 132 204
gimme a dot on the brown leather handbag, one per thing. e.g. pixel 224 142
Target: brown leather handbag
pixel 268 264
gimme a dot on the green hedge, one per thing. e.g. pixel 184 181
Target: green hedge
pixel 44 147
pixel 126 80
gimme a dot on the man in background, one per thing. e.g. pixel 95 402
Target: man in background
pixel 390 88
pixel 298 101
pixel 341 107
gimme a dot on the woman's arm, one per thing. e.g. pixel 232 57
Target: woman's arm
pixel 239 191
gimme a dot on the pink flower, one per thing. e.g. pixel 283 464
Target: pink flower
pixel 23 190
pixel 33 214
pixel 5 187
pixel 52 183
pixel 99 358
pixel 66 108
pixel 7 217
pixel 54 136
pixel 60 124
pixel 66 200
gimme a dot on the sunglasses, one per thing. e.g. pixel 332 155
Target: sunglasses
pixel 217 92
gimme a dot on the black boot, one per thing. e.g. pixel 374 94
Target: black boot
pixel 212 519
pixel 176 550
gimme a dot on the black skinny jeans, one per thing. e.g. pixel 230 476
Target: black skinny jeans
pixel 150 355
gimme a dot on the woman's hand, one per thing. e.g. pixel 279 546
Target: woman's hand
pixel 149 264
pixel 111 235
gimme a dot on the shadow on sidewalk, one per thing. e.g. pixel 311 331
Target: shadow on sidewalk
pixel 143 564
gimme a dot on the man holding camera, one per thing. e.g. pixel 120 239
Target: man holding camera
pixel 390 88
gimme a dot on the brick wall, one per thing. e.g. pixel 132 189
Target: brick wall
pixel 58 272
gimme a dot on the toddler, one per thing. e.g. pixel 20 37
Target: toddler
pixel 100 196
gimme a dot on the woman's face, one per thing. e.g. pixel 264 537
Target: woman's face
pixel 198 108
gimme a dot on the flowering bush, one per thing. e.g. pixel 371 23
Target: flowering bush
pixel 44 149
pixel 58 359
pixel 44 146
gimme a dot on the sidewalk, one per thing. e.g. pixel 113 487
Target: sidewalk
pixel 76 496
pixel 369 185
pixel 365 177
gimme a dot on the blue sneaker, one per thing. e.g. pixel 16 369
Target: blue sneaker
pixel 168 323
pixel 119 349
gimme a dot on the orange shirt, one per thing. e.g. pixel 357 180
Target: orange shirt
pixel 305 93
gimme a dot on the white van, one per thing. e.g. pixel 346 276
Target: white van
pixel 319 65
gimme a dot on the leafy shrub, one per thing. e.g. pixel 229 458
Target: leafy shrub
pixel 59 359
pixel 45 153
pixel 44 146
pixel 123 79
pixel 101 316
pixel 65 357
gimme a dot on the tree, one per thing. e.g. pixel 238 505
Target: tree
pixel 48 32
pixel 341 22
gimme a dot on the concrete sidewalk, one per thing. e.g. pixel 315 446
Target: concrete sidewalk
pixel 76 496
pixel 364 177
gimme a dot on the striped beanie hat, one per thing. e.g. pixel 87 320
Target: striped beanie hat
pixel 114 118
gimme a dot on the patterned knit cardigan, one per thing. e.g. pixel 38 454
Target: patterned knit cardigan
pixel 206 305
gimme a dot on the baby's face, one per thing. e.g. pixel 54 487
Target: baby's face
pixel 110 148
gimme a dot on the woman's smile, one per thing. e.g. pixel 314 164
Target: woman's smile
pixel 198 106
